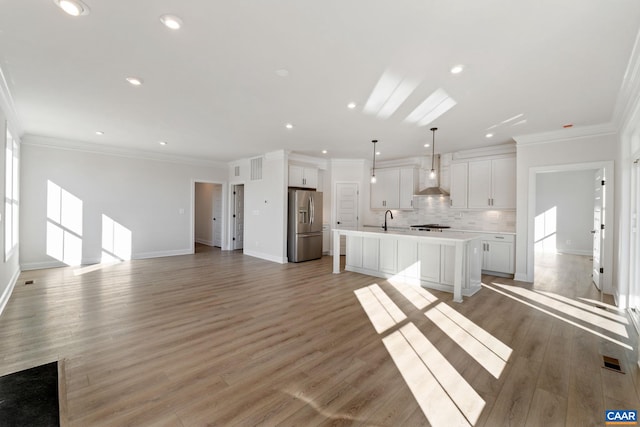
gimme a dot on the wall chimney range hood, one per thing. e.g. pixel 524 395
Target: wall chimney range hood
pixel 434 189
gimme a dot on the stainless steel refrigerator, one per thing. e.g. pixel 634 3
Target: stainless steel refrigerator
pixel 304 237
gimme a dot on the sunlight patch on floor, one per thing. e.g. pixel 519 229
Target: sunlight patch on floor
pixel 472 346
pixel 569 310
pixel 417 295
pixel 436 404
pixel 587 307
pixel 383 313
pixel 577 325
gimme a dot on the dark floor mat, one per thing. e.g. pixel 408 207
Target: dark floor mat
pixel 30 397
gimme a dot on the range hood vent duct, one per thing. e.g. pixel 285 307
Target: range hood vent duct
pixel 435 189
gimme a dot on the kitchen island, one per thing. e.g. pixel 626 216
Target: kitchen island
pixel 449 262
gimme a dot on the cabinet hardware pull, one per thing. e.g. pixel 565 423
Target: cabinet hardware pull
pixel 489 201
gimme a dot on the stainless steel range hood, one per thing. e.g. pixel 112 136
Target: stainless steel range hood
pixel 433 188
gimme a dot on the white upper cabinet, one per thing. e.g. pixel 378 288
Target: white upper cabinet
pixel 459 184
pixel 409 182
pixel 394 188
pixel 384 192
pixel 300 176
pixel 503 181
pixel 492 183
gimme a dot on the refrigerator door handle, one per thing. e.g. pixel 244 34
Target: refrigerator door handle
pixel 312 209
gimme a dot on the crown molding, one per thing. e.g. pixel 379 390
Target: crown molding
pixel 80 146
pixel 493 150
pixel 566 134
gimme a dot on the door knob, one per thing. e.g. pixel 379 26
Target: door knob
pixel 338 222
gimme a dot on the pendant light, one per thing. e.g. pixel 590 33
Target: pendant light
pixel 432 174
pixel 373 171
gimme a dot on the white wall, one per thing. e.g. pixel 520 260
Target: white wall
pixel 265 214
pixel 571 194
pixel 151 198
pixel 586 148
pixel 9 268
pixel 204 213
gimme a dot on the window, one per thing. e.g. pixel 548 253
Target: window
pixel 11 195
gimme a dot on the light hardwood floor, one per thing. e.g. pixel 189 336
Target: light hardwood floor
pixel 218 338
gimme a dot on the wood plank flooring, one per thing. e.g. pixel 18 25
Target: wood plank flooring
pixel 219 338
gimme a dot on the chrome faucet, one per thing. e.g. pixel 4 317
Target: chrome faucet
pixel 385 219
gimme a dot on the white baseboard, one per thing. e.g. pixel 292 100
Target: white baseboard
pixel 42 265
pixel 205 242
pixel 521 277
pixel 267 257
pixel 4 299
pixel 91 261
pixel 160 254
pixel 576 252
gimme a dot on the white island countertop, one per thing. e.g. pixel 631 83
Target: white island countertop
pixel 446 235
pixel 466 255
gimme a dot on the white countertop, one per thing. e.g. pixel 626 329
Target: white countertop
pixel 446 230
pixel 452 236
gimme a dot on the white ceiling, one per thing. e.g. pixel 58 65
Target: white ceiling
pixel 211 89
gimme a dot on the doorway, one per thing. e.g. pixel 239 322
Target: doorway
pixel 564 204
pixel 237 235
pixel 346 209
pixel 208 214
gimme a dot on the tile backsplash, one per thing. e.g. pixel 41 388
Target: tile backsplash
pixel 436 210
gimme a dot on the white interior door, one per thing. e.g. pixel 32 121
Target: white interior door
pixel 598 226
pixel 217 215
pixel 346 208
pixel 238 216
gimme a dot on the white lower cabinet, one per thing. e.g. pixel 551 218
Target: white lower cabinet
pixel 447 273
pixel 498 253
pixel 428 262
pixel 408 264
pixel 429 257
pixel 389 255
pixel 370 253
pixel 354 251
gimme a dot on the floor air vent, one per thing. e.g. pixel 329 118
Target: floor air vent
pixel 29 282
pixel 612 364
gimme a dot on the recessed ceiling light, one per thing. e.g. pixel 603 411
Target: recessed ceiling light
pixel 99 133
pixel 426 145
pixel 171 21
pixel 282 72
pixel 134 81
pixel 162 142
pixel 72 7
pixel 489 135
pixel 324 151
pixel 377 153
pixel 289 126
pixel 351 105
pixel 457 69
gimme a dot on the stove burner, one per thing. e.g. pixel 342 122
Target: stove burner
pixel 439 226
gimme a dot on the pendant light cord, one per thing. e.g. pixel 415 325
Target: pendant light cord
pixel 374 157
pixel 433 147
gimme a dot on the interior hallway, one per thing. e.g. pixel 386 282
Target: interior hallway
pixel 226 339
